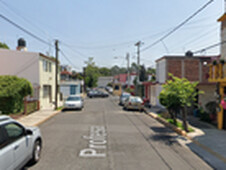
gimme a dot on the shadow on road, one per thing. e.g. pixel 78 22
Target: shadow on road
pixel 163 135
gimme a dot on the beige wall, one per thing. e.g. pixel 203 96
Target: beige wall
pixel 223 46
pixel 47 78
pixel 208 94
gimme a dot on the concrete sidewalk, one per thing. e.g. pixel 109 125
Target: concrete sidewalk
pixel 38 117
pixel 207 141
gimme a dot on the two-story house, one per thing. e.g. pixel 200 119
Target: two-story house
pixel 37 68
pixel 194 68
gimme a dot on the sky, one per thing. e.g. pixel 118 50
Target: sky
pixel 108 29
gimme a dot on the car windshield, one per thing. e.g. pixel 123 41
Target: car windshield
pixel 125 95
pixel 136 100
pixel 74 98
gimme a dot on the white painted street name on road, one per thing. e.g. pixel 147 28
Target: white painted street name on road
pixel 97 143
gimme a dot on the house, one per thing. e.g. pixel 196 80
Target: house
pixel 69 86
pixel 194 68
pixel 37 68
pixel 103 81
pixel 217 74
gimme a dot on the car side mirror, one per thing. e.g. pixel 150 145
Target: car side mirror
pixel 29 132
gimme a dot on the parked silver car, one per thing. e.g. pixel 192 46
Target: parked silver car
pixel 18 144
pixel 74 102
pixel 134 103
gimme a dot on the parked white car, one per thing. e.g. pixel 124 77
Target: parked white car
pixel 18 144
pixel 74 102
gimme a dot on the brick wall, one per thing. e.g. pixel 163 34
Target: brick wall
pixel 175 67
pixel 191 69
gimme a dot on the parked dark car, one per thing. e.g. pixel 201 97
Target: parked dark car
pixel 97 93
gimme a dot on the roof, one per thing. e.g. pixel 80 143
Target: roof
pixel 146 83
pixel 185 57
pixel 28 52
pixel 66 72
pixel 48 58
pixel 222 18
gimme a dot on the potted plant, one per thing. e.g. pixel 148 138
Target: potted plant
pixel 215 62
pixel 222 61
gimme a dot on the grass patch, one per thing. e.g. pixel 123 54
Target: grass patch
pixel 60 108
pixel 179 123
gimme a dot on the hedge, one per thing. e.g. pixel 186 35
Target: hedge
pixel 12 92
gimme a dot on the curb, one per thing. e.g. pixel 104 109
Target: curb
pixel 174 128
pixel 184 133
pixel 47 118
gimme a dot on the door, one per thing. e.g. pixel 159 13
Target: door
pixel 6 152
pixel 19 143
pixel 72 89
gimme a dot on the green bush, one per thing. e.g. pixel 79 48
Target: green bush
pixel 211 107
pixel 204 116
pixel 12 92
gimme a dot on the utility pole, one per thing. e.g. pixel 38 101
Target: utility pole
pixel 128 72
pixel 138 44
pixel 56 75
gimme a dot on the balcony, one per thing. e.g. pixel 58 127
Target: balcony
pixel 217 72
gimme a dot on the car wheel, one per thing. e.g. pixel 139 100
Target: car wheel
pixel 36 152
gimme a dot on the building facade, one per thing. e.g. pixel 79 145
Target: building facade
pixel 195 69
pixel 37 68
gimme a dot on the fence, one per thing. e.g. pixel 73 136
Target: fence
pixel 31 106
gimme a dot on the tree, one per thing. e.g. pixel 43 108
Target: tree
pixel 3 45
pixel 134 67
pixel 151 70
pixel 91 73
pixel 179 94
pixel 115 70
pixel 104 71
pixel 143 74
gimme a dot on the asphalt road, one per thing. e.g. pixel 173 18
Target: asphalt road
pixel 104 137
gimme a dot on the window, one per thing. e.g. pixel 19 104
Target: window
pixel 45 65
pixel 50 67
pixel 2 138
pixel 116 87
pixel 14 131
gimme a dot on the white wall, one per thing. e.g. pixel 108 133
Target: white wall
pixel 20 63
pixel 161 71
pixel 155 91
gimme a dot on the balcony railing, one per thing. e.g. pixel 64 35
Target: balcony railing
pixel 217 73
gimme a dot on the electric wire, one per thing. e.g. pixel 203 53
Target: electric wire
pixel 209 47
pixel 177 27
pixel 24 30
pixel 70 62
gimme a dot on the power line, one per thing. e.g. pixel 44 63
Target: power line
pixel 209 47
pixel 177 27
pixel 70 62
pixel 24 30
pixel 75 51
